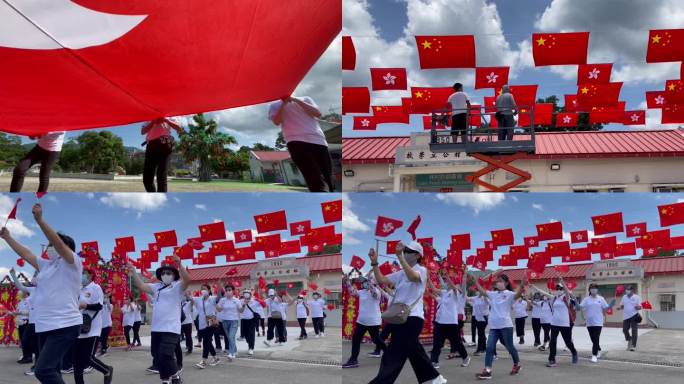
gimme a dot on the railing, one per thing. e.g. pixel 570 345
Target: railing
pixel 481 138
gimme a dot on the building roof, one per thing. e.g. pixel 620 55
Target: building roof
pixel 317 264
pixel 549 145
pixel 653 265
pixel 271 155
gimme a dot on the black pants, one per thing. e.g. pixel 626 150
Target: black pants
pixel 104 339
pixel 595 336
pixel 384 335
pixel 199 335
pixel 520 326
pixel 248 328
pixel 26 351
pixel 318 324
pixel 567 339
pixel 218 332
pixel 84 357
pixel 459 125
pixel 136 332
pixel 315 164
pixel 53 346
pixel 536 329
pixel 631 324
pixel 262 323
pixel 186 329
pixel 302 326
pixel 273 325
pixel 127 334
pixel 547 328
pixel 30 338
pixel 506 127
pixel 473 329
pixel 405 345
pixel 442 332
pixel 481 335
pixel 157 158
pixel 179 355
pixel 357 337
pixel 37 154
pixel 163 348
pixel 207 342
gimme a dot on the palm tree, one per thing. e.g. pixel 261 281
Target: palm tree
pixel 204 143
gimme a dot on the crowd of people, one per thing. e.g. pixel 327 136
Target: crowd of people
pixel 64 317
pixel 502 308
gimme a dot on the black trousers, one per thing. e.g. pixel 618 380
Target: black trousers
pixel 547 328
pixel 567 339
pixel 262 323
pixel 318 324
pixel 520 326
pixel 506 126
pixel 302 326
pixel 357 337
pixel 163 348
pixel 459 126
pixel 207 342
pixel 127 334
pixel 481 335
pixel 53 346
pixel 136 332
pixel 473 329
pixel 315 164
pixel 384 335
pixel 104 338
pixel 186 329
pixel 30 338
pixel 631 324
pixel 37 154
pixel 273 325
pixel 157 158
pixel 536 329
pixel 199 335
pixel 248 328
pixel 405 345
pixel 84 357
pixel 442 332
pixel 26 351
pixel 595 336
pixel 179 355
pixel 218 332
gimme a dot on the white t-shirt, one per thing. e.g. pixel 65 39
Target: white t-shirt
pixel 369 307
pixel 447 311
pixel 460 304
pixel 546 312
pixel 316 307
pixel 128 315
pixel 138 314
pixel 520 309
pixel 23 306
pixel 167 307
pixel 301 310
pixel 561 316
pixel 273 305
pixel 230 308
pixel 408 292
pixel 283 310
pixel 158 130
pixel 106 315
pixel 52 141
pixel 297 124
pixel 458 102
pixel 480 307
pixel 536 309
pixel 92 294
pixel 630 303
pixel 593 307
pixel 258 308
pixel 187 309
pixel 31 308
pixel 55 300
pixel 205 308
pixel 500 303
pixel 247 314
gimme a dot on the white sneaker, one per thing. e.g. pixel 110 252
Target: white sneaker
pixel 214 361
pixel 437 380
pixel 471 344
pixel 268 344
pixel 594 359
pixel 250 352
pixel 318 336
pixel 322 334
pixel 598 355
pixel 466 362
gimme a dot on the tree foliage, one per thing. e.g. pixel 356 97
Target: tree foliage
pixel 204 143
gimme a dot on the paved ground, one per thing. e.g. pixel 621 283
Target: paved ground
pixel 658 360
pixel 310 361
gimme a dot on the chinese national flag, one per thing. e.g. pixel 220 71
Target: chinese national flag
pixel 646 305
pixel 460 242
pixel 605 115
pixel 335 240
pixel 491 77
pixel 357 262
pixel 580 254
pixel 154 247
pixel 598 95
pixel 485 253
pixel 90 248
pixel 480 263
pixel 213 231
pixel 671 214
pixel 348 53
pixel 559 248
pixel 550 231
pixel 125 244
pixel 490 104
pixel 603 244
pixel 274 221
pixel 519 252
pixel 446 51
pixel 267 242
pixel 365 123
pixel 665 45
pixel 673 114
pixel 289 247
pixel 332 211
pixel 579 237
pixel 388 79
pixel 391 247
pixel 319 235
pixel 204 258
pixel 389 114
pixel 475 119
pixel 386 268
pixel 625 249
pixel 610 223
pixel 562 268
pixel 566 120
pixel 300 227
pixel 571 103
pixel 243 236
pixel 507 261
pixel 185 252
pixel 166 238
pixel 406 105
pixel 355 100
pixel 560 48
pixel 440 123
pixel 594 73
pixel 537 262
pixel 502 237
pixel 524 95
pixel 244 253
pixel 655 99
pixel 455 258
pixel 425 100
pixel 543 115
pixel 385 226
pixel 531 241
pixel 636 229
pixel 195 243
pixel 677 243
pixel 634 118
pixel 222 248
pixel 656 239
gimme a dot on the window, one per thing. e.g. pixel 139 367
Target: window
pixel 585 190
pixel 667 302
pixel 668 189
pixel 616 190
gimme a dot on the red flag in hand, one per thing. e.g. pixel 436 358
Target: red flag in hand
pixel 331 307
pixel 262 282
pixel 551 284
pixel 619 290
pixel 40 194
pixel 414 225
pixel 385 226
pixel 125 244
pixel 646 305
pixel 502 237
pixel 313 286
pixel 13 213
pixel 357 262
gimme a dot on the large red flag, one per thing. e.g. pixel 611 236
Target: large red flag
pixel 389 114
pixel 348 53
pixel 671 214
pixel 491 77
pixel 598 95
pixel 673 114
pixel 244 253
pixel 594 73
pixel 566 119
pixel 579 236
pixel 393 79
pixel 289 247
pixel 603 244
pixel 543 115
pixel 332 211
pixel 558 248
pixel 502 237
pixel 243 236
pixel 605 115
pixel 446 51
pixel 213 231
pixel 655 99
pixel 571 103
pixel 524 95
pixel 580 254
pixel 655 239
pixel 300 228
pixel 634 118
pixel 125 244
pixel 674 91
pixel 665 45
pixel 550 231
pixel 636 229
pixel 267 242
pixel 560 48
pixel 520 252
pixel 426 100
pixel 355 100
pixel 460 242
pixel 625 249
pixel 222 248
pixel 274 221
pixel 365 123
pixel 385 226
pixel 610 223
pixel 166 238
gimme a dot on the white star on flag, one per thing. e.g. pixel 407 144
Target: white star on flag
pixel 594 74
pixel 531 241
pixel 567 119
pixel 387 227
pixel 365 122
pixel 660 99
pixel 243 236
pixel 650 251
pixel 636 230
pixel 389 78
pixel 635 117
pixel 300 228
pixel 578 237
pixel 315 247
pixel 491 78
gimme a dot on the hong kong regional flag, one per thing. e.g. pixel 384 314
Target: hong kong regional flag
pixel 491 77
pixel 560 48
pixel 385 226
pixel 383 79
pixel 446 51
pixel 671 214
pixel 594 73
pixel 610 223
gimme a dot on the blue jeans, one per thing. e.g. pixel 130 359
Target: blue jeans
pixel 230 327
pixel 505 334
pixel 53 346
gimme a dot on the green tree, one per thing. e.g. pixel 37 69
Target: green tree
pixel 582 120
pixel 11 149
pixel 70 158
pixel 134 165
pixel 280 143
pixel 102 152
pixel 262 147
pixel 204 143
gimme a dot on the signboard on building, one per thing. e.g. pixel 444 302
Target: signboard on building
pixel 443 180
pixel 421 155
pixel 615 270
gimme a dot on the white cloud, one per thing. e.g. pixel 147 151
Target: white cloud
pixel 90 195
pixel 351 223
pixel 135 201
pixel 176 199
pixel 201 207
pixel 537 206
pixel 476 201
pixel 17 228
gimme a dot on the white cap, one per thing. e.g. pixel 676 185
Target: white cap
pixel 271 292
pixel 415 246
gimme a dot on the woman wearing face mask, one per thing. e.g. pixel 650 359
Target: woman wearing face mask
pixel 166 298
pixel 137 323
pixel 58 285
pixel 302 314
pixel 593 308
pixel 631 304
pixel 500 325
pixel 317 305
pixel 128 321
pixel 409 285
pixel 275 318
pixel 480 317
pixel 545 320
pixel 536 306
pixel 447 325
pixel 186 324
pixel 520 313
pixel 205 305
pixel 29 339
pixel 560 322
pixel 285 301
pixel 249 317
pixel 230 306
pixel 106 325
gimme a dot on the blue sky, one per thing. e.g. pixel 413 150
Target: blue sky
pixel 104 217
pixel 478 214
pixel 616 37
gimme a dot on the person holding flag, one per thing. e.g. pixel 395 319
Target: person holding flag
pixel 29 338
pixel 317 305
pixel 302 314
pixel 447 324
pixel 480 316
pixel 229 306
pixel 128 320
pixel 535 306
pixel 205 305
pixel 249 317
pixel 46 152
pixel 631 305
pixel 275 319
pixel 520 313
pixel 186 325
pixel 159 145
pixel 593 309
pixel 106 324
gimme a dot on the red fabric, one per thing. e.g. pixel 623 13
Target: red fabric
pixel 559 248
pixel 502 237
pixel 357 262
pixel 490 104
pixel 244 253
pixel 634 118
pixel 665 45
pixel 550 231
pixel 243 236
pixel 598 95
pixel 166 238
pixel 204 258
pixel 389 114
pixel 348 53
pixel 655 239
pixel 319 235
pixel 386 268
pixel 90 247
pixel 560 48
pixel 406 105
pixel 365 123
pixel 673 114
pixel 274 221
pixel 425 100
pixel 636 229
pixel 524 95
pixel 125 244
pixel 355 100
pixel 195 243
pixel 519 252
pixel 508 261
pixel 625 249
pixel 332 211
pixel 531 241
pixel 655 99
pixel 259 54
pixel 594 73
pixel 427 123
pixel 491 77
pixel 300 227
pixel 223 248
pixel 610 223
pixel 579 237
pixel 267 242
pixel 413 227
pixel 213 231
pixel 570 103
pixel 185 252
pixel 385 226
pixel 289 247
pixel 671 214
pixel 603 245
pixel 446 51
pixel 646 305
pixel 461 241
pixel 391 248
pixel 580 254
pixel 388 79
pixel 606 115
pixel 543 115
pixel 566 120
pixel 562 268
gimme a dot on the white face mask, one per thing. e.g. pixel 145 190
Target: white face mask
pixel 629 292
pixel 205 293
pixel 593 291
pixel 247 296
pixel 559 292
pixel 167 279
pixel 52 254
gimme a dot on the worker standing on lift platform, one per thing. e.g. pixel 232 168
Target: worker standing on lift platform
pixel 459 105
pixel 505 110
